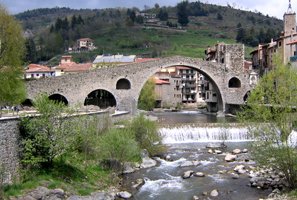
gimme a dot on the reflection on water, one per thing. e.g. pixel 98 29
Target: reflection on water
pixel 188 117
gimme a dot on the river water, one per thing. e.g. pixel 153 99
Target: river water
pixel 186 135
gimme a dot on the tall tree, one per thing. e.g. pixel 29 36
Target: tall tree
pixel 31 55
pixel 271 115
pixel 12 90
pixel 182 13
pixel 147 96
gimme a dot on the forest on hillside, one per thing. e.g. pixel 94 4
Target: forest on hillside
pixel 185 29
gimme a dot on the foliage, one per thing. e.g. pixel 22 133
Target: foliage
pixel 12 90
pixel 163 14
pixel 182 13
pixel 47 136
pixel 118 146
pixel 147 96
pixel 272 103
pixel 146 135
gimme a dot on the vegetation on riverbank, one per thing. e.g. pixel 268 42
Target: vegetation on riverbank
pixel 73 153
pixel 273 103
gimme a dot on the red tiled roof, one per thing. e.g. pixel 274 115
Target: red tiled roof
pixel 161 82
pixel 38 68
pixel 293 42
pixel 85 39
pixel 75 67
pixel 140 60
pixel 182 67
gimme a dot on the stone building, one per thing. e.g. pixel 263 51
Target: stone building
pixel 286 45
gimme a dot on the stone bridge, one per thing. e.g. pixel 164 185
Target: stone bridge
pixel 125 82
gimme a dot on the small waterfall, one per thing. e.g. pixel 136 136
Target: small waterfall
pixel 189 134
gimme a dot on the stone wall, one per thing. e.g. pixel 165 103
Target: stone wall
pixel 9 148
pixel 10 139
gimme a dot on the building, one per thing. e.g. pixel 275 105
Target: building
pixel 85 44
pixel 113 60
pixel 67 66
pixel 285 45
pixel 38 71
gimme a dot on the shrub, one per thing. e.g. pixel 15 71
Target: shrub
pixel 118 146
pixel 146 134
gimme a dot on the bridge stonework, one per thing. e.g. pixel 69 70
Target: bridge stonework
pixel 76 87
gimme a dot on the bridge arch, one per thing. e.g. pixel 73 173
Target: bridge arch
pixel 59 98
pixel 27 103
pixel 200 67
pixel 123 84
pixel 101 98
pixel 234 82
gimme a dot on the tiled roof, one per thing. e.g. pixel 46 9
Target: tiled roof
pixel 38 68
pixel 85 39
pixel 140 60
pixel 161 82
pixel 75 67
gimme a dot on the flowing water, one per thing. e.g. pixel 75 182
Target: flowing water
pixel 186 135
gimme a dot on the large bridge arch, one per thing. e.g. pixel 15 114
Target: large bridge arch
pixel 200 68
pixel 76 87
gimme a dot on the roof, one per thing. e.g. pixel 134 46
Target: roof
pixel 75 67
pixel 32 68
pixel 85 39
pixel 293 42
pixel 161 82
pixel 183 67
pixel 140 60
pixel 114 59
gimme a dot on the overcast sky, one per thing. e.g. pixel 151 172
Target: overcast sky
pixel 271 7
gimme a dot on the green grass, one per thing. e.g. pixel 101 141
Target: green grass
pixel 72 174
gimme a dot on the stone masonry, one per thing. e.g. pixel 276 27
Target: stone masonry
pixel 76 87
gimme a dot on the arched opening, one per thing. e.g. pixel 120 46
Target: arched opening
pixel 234 83
pixel 246 96
pixel 101 98
pixel 181 86
pixel 58 98
pixel 123 84
pixel 27 103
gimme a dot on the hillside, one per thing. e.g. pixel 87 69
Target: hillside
pixel 124 31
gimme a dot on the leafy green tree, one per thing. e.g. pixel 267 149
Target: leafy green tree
pixel 12 90
pixel 271 113
pixel 182 13
pixel 147 96
pixel 31 54
pixel 163 14
pixel 47 136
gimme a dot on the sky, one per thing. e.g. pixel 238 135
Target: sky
pixel 275 8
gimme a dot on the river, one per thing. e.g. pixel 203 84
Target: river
pixel 186 135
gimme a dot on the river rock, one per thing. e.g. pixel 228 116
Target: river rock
pixel 239 167
pixel 234 176
pixel 210 151
pixel 230 157
pixel 129 168
pixel 148 162
pixel 213 145
pixel 245 151
pixel 39 192
pixel 187 174
pixel 124 195
pixel 214 193
pixel 218 151
pixel 199 174
pixel 139 182
pixel 236 151
pixel 195 197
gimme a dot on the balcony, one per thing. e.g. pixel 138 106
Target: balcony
pixel 293 59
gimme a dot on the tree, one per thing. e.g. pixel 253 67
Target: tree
pixel 12 90
pixel 273 104
pixel 31 54
pixel 47 136
pixel 163 14
pixel 147 95
pixel 219 16
pixel 182 13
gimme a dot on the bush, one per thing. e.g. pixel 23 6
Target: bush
pixel 146 134
pixel 118 146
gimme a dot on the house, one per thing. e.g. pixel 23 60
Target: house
pixel 38 71
pixel 286 45
pixel 85 44
pixel 67 66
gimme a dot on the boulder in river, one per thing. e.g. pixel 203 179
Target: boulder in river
pixel 187 174
pixel 214 193
pixel 230 157
pixel 124 195
pixel 199 174
pixel 236 151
